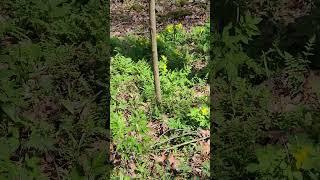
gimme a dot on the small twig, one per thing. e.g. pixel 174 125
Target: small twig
pixel 170 139
pixel 196 140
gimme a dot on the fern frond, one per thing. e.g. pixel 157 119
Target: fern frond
pixel 309 47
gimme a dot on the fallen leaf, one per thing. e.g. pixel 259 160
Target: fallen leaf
pixel 197 170
pixel 204 133
pixel 160 159
pixel 173 162
pixel 132 168
pixel 196 161
pixel 132 133
pixel 205 148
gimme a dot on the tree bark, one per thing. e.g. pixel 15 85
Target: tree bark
pixel 153 33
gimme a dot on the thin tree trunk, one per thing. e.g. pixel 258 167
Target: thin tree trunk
pixel 153 33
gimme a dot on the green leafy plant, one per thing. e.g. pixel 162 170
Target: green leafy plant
pixel 173 33
pixel 49 85
pixel 299 159
pixel 136 117
pixel 200 115
pixel 229 56
pixel 296 67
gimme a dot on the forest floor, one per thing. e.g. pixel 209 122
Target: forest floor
pixel 265 115
pixel 171 139
pixel 53 85
pixel 132 16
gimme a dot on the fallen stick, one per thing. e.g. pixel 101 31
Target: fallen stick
pixel 178 145
pixel 170 139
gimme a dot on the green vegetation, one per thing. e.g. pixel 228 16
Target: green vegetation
pixel 298 160
pixel 141 130
pixel 53 62
pixel 265 104
pixel 264 85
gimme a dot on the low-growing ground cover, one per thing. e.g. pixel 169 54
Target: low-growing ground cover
pixel 171 139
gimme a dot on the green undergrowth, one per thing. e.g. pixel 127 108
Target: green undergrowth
pixel 53 61
pixel 133 100
pixel 261 130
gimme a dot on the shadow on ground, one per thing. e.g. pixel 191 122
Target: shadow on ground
pixel 138 48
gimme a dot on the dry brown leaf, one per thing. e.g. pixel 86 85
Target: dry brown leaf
pixel 173 162
pixel 197 170
pixel 205 148
pixel 196 160
pixel 160 159
pixel 204 133
pixel 132 168
pixel 132 133
pixel 125 18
